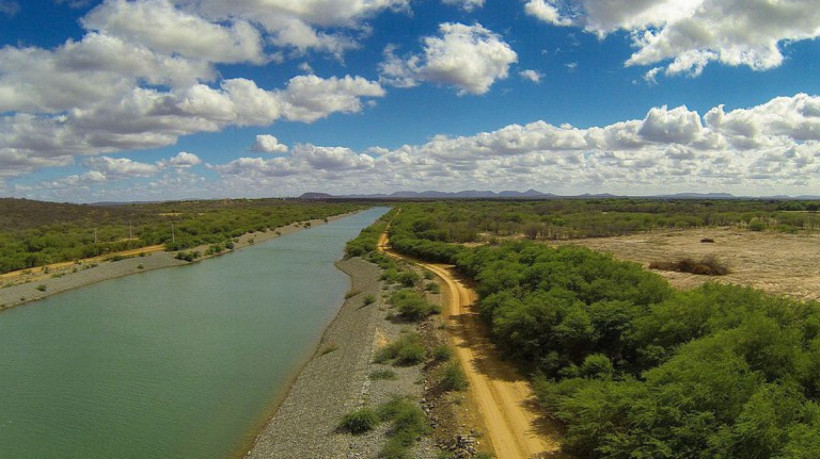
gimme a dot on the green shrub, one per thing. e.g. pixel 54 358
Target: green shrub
pixel 360 421
pixel 409 423
pixel 442 353
pixel 453 378
pixel 383 374
pixel 433 287
pixel 411 305
pixel 407 350
pixel 41 287
pixel 369 299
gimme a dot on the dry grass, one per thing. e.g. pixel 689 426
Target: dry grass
pixel 783 264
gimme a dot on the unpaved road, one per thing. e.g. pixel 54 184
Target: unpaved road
pixel 513 424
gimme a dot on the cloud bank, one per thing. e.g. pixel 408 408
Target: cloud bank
pixel 685 35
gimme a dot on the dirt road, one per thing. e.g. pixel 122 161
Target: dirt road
pixel 506 404
pixel 32 274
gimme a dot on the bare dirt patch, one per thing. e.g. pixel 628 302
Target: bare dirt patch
pixel 783 264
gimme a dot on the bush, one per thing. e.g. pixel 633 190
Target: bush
pixel 433 287
pixel 369 299
pixel 708 266
pixel 412 306
pixel 41 287
pixel 408 278
pixel 383 374
pixel 453 378
pixel 409 424
pixel 360 421
pixel 442 353
pixel 406 351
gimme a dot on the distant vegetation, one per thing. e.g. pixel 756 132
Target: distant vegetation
pixel 34 233
pixel 632 367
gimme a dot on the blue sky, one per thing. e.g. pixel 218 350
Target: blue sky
pixel 171 99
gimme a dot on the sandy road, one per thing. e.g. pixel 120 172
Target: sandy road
pixel 504 398
pixel 66 264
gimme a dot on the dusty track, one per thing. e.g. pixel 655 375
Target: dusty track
pixel 505 401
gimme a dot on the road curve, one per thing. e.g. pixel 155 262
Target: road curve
pixel 505 400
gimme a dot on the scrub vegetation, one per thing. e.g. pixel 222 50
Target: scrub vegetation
pixel 34 233
pixel 631 366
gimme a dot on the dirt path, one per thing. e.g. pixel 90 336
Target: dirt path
pixel 30 275
pixel 505 401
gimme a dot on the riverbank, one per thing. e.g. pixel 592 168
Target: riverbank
pixel 337 380
pixel 37 283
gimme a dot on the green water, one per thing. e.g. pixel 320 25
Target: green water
pixel 174 363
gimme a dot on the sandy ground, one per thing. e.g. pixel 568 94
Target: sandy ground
pixel 512 422
pixel 783 264
pixel 25 286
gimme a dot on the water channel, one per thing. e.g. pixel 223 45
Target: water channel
pixel 174 363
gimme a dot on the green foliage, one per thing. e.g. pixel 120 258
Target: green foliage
pixel 442 353
pixel 453 377
pixel 35 233
pixel 369 299
pixel 409 423
pixel 411 305
pixel 41 287
pixel 633 368
pixel 383 374
pixel 360 421
pixel 407 350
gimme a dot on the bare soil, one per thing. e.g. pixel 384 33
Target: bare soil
pixel 782 264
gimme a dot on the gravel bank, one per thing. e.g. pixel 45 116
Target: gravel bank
pixel 332 383
pixel 336 381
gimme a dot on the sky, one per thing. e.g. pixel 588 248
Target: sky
pixel 142 100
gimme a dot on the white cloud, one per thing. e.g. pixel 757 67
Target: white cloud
pixel 531 75
pixel 774 146
pixel 466 5
pixel 268 144
pixel 299 24
pixel 160 26
pixel 470 58
pixel 148 118
pixel 688 34
pixel 121 167
pixel 183 159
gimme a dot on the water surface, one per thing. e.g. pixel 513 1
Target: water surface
pixel 174 363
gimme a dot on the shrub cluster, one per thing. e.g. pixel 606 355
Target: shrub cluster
pixel 412 306
pixel 708 266
pixel 407 350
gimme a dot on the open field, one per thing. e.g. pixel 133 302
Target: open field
pixel 783 264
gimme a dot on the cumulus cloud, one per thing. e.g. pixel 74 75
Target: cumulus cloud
pixel 466 5
pixel 302 25
pixel 773 146
pixel 182 159
pixel 268 144
pixel 531 75
pixel 160 26
pixel 149 118
pixel 471 58
pixel 688 34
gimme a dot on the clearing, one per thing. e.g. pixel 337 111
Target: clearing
pixel 778 263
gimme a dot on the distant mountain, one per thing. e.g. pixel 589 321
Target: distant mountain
pixel 315 196
pixel 700 196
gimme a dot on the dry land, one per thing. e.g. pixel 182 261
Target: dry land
pixel 782 264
